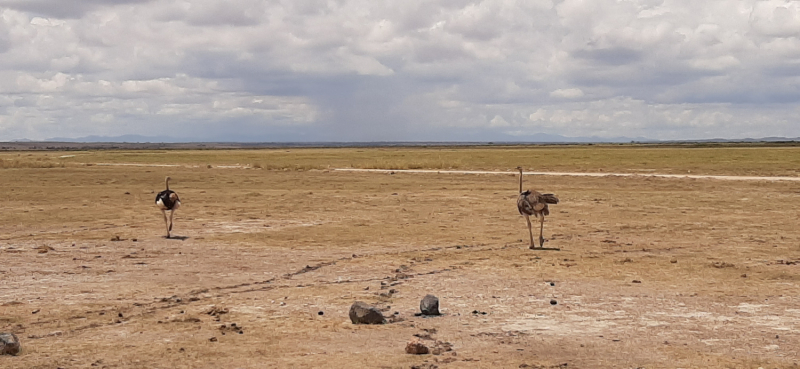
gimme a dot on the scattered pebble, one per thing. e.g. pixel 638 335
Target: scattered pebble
pixel 553 302
pixel 416 347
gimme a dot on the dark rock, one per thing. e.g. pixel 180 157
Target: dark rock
pixel 553 302
pixel 361 313
pixel 9 344
pixel 429 305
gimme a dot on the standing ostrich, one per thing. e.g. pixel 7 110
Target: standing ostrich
pixel 168 200
pixel 534 203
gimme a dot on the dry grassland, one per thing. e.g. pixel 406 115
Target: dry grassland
pixel 651 272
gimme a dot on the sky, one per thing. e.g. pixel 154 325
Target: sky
pixel 411 70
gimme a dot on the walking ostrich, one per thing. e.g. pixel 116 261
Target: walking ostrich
pixel 168 200
pixel 534 203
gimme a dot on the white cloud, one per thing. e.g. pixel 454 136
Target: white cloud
pixel 567 93
pixel 498 121
pixel 412 70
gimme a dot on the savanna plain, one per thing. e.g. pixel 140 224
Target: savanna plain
pixel 271 247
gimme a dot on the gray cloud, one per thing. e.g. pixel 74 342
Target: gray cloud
pixel 356 70
pixel 62 8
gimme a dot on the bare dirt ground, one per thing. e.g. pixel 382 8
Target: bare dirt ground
pixel 651 272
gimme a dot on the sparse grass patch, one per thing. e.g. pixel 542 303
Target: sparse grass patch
pixel 30 163
pixel 698 159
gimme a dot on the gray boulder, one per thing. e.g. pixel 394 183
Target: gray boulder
pixel 9 344
pixel 429 305
pixel 361 313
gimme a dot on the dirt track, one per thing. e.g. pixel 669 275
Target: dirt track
pixel 652 272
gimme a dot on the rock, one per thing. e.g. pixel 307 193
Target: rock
pixel 416 347
pixel 429 305
pixel 441 347
pixel 361 313
pixel 9 344
pixel 553 302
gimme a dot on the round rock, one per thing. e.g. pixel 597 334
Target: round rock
pixel 9 344
pixel 429 305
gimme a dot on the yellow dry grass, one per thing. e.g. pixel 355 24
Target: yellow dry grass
pixel 652 272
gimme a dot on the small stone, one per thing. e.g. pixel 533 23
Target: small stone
pixel 552 283
pixel 553 302
pixel 213 339
pixel 320 313
pixel 9 344
pixel 416 347
pixel 636 281
pixel 429 305
pixel 362 313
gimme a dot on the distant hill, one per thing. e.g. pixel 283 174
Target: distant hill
pixel 538 138
pixel 535 138
pixel 121 139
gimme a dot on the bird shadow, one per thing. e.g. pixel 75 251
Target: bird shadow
pixel 180 238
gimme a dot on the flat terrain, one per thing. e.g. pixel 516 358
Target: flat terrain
pixel 652 272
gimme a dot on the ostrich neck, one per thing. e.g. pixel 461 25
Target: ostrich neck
pixel 520 181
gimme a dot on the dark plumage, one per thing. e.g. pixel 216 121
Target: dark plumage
pixel 534 203
pixel 168 200
pixel 164 200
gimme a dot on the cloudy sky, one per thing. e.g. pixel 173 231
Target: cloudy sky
pixel 411 70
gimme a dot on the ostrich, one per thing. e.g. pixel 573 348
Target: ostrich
pixel 534 203
pixel 168 200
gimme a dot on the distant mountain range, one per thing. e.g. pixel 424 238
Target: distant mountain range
pixel 121 139
pixel 535 138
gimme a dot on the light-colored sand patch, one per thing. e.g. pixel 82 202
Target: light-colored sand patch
pixel 255 225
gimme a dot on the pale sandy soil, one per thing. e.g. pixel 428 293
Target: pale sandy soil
pixel 652 272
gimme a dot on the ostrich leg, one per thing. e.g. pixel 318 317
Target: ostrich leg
pixel 530 232
pixel 541 229
pixel 166 223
